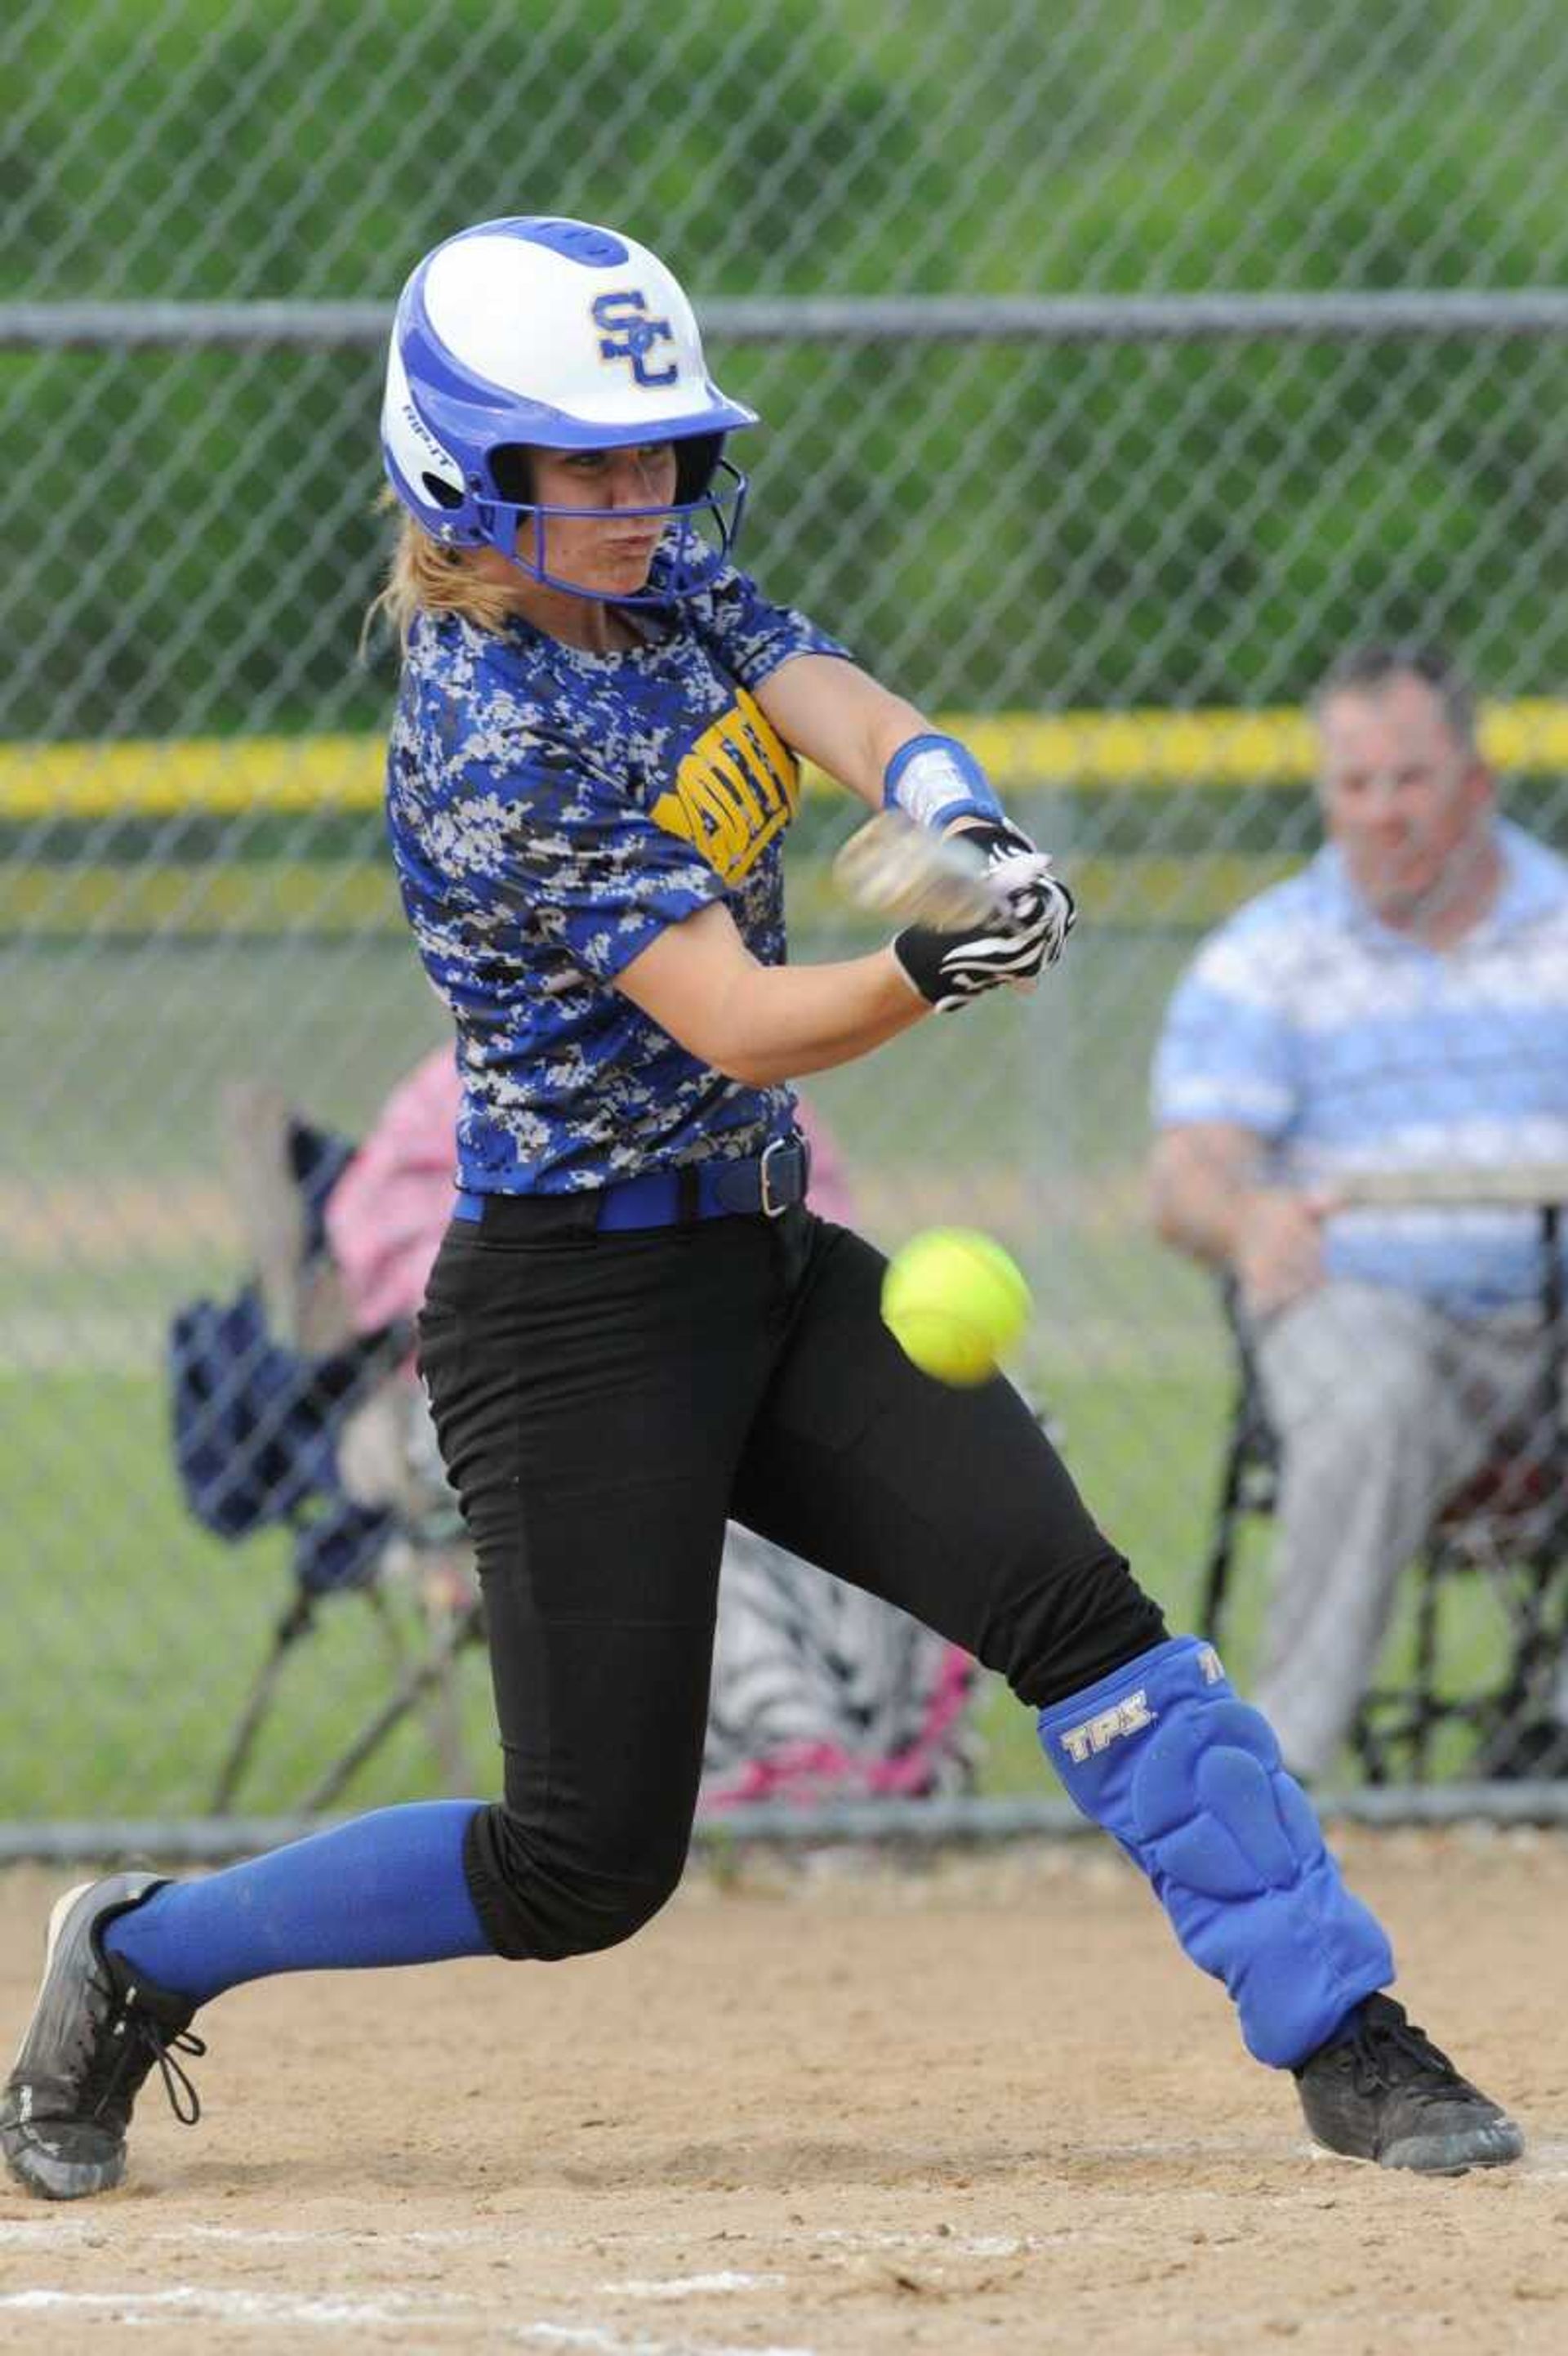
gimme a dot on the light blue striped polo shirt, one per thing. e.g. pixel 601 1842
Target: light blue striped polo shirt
pixel 1349 1046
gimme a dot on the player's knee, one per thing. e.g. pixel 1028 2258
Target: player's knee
pixel 540 1908
pixel 1068 1629
pixel 609 1909
pixel 582 1914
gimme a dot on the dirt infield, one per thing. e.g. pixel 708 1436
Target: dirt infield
pixel 827 2111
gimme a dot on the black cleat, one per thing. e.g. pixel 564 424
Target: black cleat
pixel 95 2032
pixel 1387 2094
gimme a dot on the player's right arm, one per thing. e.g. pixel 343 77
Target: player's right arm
pixel 1211 1198
pixel 547 835
pixel 760 1023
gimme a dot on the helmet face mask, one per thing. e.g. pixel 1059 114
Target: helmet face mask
pixel 697 538
pixel 546 334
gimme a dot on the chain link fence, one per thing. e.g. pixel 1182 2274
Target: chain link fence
pixel 1115 371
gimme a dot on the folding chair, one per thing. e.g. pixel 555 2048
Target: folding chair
pixel 1506 1527
pixel 423 1672
pixel 263 1388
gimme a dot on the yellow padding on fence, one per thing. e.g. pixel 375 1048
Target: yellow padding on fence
pixel 219 776
pixel 1147 751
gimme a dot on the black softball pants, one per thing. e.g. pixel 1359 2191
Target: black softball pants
pixel 604 1402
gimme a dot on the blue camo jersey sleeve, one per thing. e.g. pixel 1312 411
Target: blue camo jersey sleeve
pixel 752 637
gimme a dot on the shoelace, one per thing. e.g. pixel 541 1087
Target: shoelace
pixel 175 2080
pixel 141 2029
pixel 1378 2047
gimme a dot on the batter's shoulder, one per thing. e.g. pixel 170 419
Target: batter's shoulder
pixel 750 633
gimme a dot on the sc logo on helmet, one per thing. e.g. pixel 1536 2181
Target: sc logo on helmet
pixel 630 335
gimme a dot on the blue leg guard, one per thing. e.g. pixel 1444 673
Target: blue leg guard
pixel 1189 1780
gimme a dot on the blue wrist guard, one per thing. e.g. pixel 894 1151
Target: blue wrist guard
pixel 1189 1780
pixel 936 779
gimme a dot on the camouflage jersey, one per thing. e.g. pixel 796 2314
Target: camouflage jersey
pixel 550 812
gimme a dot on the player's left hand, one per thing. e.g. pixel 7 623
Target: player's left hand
pixel 1044 906
pixel 950 969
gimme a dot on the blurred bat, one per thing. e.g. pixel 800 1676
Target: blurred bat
pixel 897 868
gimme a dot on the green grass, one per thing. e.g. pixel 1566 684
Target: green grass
pixel 134 1635
pixel 138 1632
pixel 141 1631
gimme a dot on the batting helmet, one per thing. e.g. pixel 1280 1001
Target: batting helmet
pixel 566 336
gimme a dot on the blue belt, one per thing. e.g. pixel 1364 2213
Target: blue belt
pixel 766 1183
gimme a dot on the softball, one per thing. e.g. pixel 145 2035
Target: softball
pixel 954 1302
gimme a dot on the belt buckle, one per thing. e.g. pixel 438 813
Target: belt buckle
pixel 770 1210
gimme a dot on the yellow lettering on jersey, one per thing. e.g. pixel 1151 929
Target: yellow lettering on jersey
pixel 736 788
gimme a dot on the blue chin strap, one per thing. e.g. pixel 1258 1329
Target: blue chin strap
pixel 688 564
pixel 1189 1780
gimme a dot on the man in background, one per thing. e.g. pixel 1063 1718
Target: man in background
pixel 1400 1002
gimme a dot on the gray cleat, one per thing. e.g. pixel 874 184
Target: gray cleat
pixel 95 2033
pixel 1387 2094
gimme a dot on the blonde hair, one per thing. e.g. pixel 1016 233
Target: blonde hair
pixel 424 576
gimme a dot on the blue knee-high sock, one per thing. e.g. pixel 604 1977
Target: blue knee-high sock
pixel 385 1888
pixel 1189 1780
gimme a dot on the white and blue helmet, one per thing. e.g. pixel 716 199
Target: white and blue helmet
pixel 560 334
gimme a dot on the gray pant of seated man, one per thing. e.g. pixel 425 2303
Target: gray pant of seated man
pixel 1384 1407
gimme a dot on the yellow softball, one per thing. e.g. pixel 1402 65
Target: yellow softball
pixel 954 1302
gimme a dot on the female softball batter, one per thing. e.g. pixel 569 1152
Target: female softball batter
pixel 637 1327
